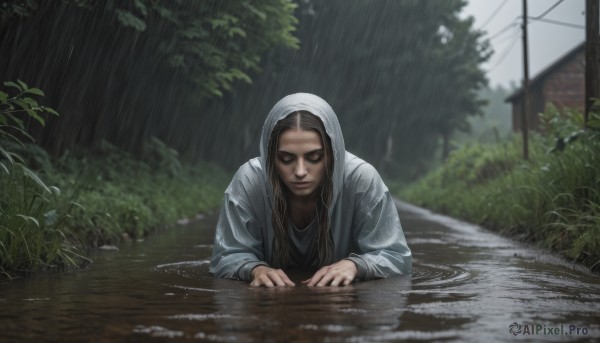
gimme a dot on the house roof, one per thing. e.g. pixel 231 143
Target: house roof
pixel 541 75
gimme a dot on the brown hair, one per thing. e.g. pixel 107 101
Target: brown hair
pixel 303 120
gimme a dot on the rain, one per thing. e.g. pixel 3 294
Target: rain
pixel 123 122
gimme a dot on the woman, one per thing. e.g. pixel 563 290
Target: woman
pixel 307 202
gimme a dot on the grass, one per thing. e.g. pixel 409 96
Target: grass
pixel 32 223
pixel 85 202
pixel 53 211
pixel 552 200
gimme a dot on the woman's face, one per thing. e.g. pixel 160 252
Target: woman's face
pixel 300 161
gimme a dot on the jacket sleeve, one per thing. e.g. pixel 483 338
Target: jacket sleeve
pixel 238 239
pixel 382 248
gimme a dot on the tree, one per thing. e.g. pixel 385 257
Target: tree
pixel 126 71
pixel 399 74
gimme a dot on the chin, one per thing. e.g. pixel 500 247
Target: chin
pixel 304 193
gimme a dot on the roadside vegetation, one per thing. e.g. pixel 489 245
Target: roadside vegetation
pixel 53 210
pixel 551 200
pixel 134 71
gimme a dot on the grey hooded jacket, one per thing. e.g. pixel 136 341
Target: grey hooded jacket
pixel 365 226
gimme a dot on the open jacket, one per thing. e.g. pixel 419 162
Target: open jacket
pixel 365 226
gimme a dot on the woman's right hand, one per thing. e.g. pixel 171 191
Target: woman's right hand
pixel 269 277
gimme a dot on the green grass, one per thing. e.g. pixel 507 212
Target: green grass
pixel 53 211
pixel 85 202
pixel 552 200
pixel 32 223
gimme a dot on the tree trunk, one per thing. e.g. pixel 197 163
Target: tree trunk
pixel 445 146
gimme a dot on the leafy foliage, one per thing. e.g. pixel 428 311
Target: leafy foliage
pixel 49 210
pixel 551 200
pixel 33 218
pixel 212 42
pixel 126 197
pixel 12 108
pixel 111 197
pixel 399 74
pixel 144 66
pixel 566 126
pixel 32 213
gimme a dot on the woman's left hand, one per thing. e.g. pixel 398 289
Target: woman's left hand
pixel 337 274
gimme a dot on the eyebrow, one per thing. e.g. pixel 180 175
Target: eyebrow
pixel 316 151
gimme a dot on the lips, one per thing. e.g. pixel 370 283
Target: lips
pixel 303 184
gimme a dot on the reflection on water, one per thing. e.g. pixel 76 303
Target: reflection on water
pixel 467 285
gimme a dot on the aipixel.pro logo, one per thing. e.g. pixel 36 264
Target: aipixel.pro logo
pixel 546 330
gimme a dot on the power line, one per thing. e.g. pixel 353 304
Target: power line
pixel 507 37
pixel 515 23
pixel 556 22
pixel 548 10
pixel 515 38
pixel 538 18
pixel 487 21
pixel 504 29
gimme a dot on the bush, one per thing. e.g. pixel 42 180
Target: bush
pixel 75 202
pixel 553 199
pixel 33 216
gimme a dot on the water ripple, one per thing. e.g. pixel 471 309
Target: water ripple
pixel 184 263
pixel 194 316
pixel 197 289
pixel 186 269
pixel 440 276
pixel 157 331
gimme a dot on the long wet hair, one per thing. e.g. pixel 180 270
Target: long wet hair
pixel 302 120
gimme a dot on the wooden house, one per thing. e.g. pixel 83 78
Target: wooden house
pixel 561 84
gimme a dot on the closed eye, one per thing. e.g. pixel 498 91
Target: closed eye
pixel 315 158
pixel 286 160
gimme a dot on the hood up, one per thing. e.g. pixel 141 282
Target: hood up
pixel 365 226
pixel 321 109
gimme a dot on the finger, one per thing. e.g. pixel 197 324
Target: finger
pixel 261 281
pixel 266 281
pixel 337 281
pixel 325 280
pixel 318 275
pixel 313 280
pixel 286 279
pixel 276 279
pixel 308 280
pixel 341 281
pixel 255 282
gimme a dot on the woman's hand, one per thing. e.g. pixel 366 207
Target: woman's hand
pixel 337 274
pixel 269 277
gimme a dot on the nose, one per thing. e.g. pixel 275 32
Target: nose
pixel 300 170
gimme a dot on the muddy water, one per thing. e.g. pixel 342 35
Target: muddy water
pixel 468 285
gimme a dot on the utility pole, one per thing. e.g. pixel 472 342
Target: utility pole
pixel 525 102
pixel 592 56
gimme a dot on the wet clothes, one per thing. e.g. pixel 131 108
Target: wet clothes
pixel 365 226
pixel 303 244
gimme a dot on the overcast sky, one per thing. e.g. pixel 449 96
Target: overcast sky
pixel 547 41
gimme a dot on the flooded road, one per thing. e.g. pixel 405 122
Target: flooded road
pixel 468 285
